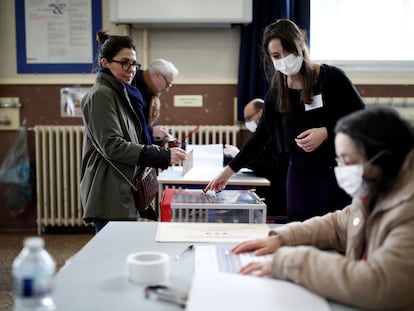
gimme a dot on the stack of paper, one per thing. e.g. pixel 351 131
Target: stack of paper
pixel 226 291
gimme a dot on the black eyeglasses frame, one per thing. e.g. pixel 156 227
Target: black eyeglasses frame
pixel 168 84
pixel 126 64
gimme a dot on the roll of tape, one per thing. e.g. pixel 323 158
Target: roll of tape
pixel 148 267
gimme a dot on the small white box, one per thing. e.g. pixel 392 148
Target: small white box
pixel 227 206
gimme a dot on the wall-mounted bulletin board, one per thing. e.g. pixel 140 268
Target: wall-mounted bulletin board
pixel 57 36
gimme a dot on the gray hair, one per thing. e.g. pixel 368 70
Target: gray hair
pixel 164 66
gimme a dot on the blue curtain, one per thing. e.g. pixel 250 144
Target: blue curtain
pixel 251 80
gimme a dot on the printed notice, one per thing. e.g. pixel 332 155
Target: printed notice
pixel 58 31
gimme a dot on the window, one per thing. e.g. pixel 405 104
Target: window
pixel 367 35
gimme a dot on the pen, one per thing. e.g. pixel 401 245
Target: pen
pixel 189 248
pixel 183 141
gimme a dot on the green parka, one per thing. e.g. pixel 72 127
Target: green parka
pixel 111 120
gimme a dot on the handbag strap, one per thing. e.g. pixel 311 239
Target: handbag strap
pixel 100 151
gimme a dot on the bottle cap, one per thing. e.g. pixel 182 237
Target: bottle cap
pixel 34 242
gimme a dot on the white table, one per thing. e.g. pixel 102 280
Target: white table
pixel 96 277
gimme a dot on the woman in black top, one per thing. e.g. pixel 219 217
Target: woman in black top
pixel 302 106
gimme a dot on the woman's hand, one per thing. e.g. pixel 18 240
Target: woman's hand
pixel 262 268
pixel 260 247
pixel 177 155
pixel 220 182
pixel 311 139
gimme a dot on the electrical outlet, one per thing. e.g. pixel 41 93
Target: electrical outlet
pixel 9 113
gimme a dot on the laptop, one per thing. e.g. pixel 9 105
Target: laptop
pixel 219 258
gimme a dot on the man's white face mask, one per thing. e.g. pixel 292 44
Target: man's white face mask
pixel 288 65
pixel 251 126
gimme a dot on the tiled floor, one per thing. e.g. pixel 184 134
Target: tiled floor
pixel 60 246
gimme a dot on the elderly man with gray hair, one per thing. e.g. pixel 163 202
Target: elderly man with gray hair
pixel 152 82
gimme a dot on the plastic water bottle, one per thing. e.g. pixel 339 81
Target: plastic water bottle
pixel 33 276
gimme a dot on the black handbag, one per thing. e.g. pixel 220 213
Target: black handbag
pixel 146 188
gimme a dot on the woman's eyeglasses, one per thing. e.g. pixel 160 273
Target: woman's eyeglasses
pixel 126 64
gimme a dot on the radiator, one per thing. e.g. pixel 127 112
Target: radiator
pixel 404 105
pixel 58 162
pixel 206 134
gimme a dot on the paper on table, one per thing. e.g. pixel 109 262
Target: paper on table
pixel 188 163
pixel 228 291
pixel 203 160
pixel 209 232
pixel 207 155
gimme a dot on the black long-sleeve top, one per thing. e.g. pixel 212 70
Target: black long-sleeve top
pixel 339 97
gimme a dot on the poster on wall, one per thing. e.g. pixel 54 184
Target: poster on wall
pixel 57 36
pixel 70 99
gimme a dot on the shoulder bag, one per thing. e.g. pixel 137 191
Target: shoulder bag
pixel 146 184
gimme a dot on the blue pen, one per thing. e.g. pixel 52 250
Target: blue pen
pixel 183 144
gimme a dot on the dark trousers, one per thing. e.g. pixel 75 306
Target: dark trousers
pixel 312 191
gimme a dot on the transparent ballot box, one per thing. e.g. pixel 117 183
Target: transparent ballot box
pixel 227 206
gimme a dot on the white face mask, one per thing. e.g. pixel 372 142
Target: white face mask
pixel 288 65
pixel 251 126
pixel 349 178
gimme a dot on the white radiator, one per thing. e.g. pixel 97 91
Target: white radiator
pixel 206 134
pixel 58 163
pixel 404 105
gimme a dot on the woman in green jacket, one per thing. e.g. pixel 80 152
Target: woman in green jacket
pixel 374 264
pixel 114 120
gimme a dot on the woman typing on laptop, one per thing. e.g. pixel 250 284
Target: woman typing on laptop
pixel 373 236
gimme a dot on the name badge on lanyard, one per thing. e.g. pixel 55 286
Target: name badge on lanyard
pixel 316 103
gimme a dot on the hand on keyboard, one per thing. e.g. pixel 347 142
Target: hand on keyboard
pixel 233 262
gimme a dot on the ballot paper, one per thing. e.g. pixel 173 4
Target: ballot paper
pixel 188 163
pixel 229 291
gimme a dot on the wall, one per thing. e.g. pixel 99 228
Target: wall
pixel 207 60
pixel 41 107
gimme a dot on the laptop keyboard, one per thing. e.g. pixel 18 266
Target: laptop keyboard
pixel 218 258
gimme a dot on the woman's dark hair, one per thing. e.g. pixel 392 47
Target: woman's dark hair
pixel 380 129
pixel 293 41
pixel 109 45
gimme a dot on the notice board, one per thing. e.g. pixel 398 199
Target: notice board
pixel 57 36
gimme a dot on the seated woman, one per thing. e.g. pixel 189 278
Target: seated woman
pixel 373 235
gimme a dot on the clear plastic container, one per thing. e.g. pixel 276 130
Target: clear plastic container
pixel 33 277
